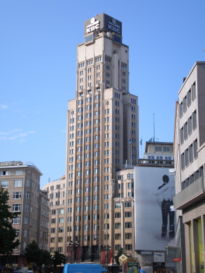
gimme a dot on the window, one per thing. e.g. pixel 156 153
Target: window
pixel 98 58
pixel 184 104
pixel 53 220
pixel 128 224
pixel 117 215
pixel 16 220
pixel 61 220
pixel 185 131
pixel 128 247
pixel 16 195
pixel 18 183
pixel 195 149
pixel 191 153
pixel 128 204
pixel 106 216
pixel 158 148
pixel 128 235
pixel 106 206
pixel 117 236
pixel 117 247
pixel 4 184
pixel 193 91
pixel 181 109
pixel 61 211
pixel 186 157
pixel 194 120
pixel 90 61
pixel 16 207
pixel 117 225
pixel 189 98
pixel 190 125
pixel 53 211
pixel 128 214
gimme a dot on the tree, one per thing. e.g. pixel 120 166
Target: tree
pixel 8 234
pixel 36 255
pixel 58 259
pixel 32 252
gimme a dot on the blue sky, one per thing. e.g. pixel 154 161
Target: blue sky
pixel 38 40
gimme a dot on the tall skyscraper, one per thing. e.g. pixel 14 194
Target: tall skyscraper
pixel 102 135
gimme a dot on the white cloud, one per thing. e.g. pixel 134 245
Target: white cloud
pixel 3 106
pixel 15 134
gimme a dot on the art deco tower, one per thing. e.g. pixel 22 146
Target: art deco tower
pixel 102 134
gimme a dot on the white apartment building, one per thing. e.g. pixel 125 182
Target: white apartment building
pixel 189 164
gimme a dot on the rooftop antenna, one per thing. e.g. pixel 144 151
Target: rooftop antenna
pixel 153 127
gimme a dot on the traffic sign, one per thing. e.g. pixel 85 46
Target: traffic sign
pixel 123 259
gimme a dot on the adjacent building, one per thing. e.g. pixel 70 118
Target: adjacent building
pixel 22 181
pixel 102 135
pixel 124 224
pixel 56 194
pixel 189 164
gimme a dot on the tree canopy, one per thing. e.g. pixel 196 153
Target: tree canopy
pixel 8 234
pixel 36 255
pixel 58 259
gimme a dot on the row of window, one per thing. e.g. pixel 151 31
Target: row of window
pixel 13 172
pixel 127 247
pixel 17 183
pixel 85 208
pixel 186 102
pixel 90 61
pixel 126 225
pixel 163 149
pixel 86 199
pixel 57 211
pixel 128 176
pixel 127 236
pixel 57 203
pixel 57 187
pixel 188 127
pixel 56 195
pixel 126 214
pixel 95 178
pixel 189 154
pixel 126 204
pixel 193 178
pixel 86 227
pixel 127 194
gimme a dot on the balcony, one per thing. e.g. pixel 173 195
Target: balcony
pixel 190 194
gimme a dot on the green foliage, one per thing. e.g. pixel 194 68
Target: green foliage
pixel 58 259
pixel 8 236
pixel 36 255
